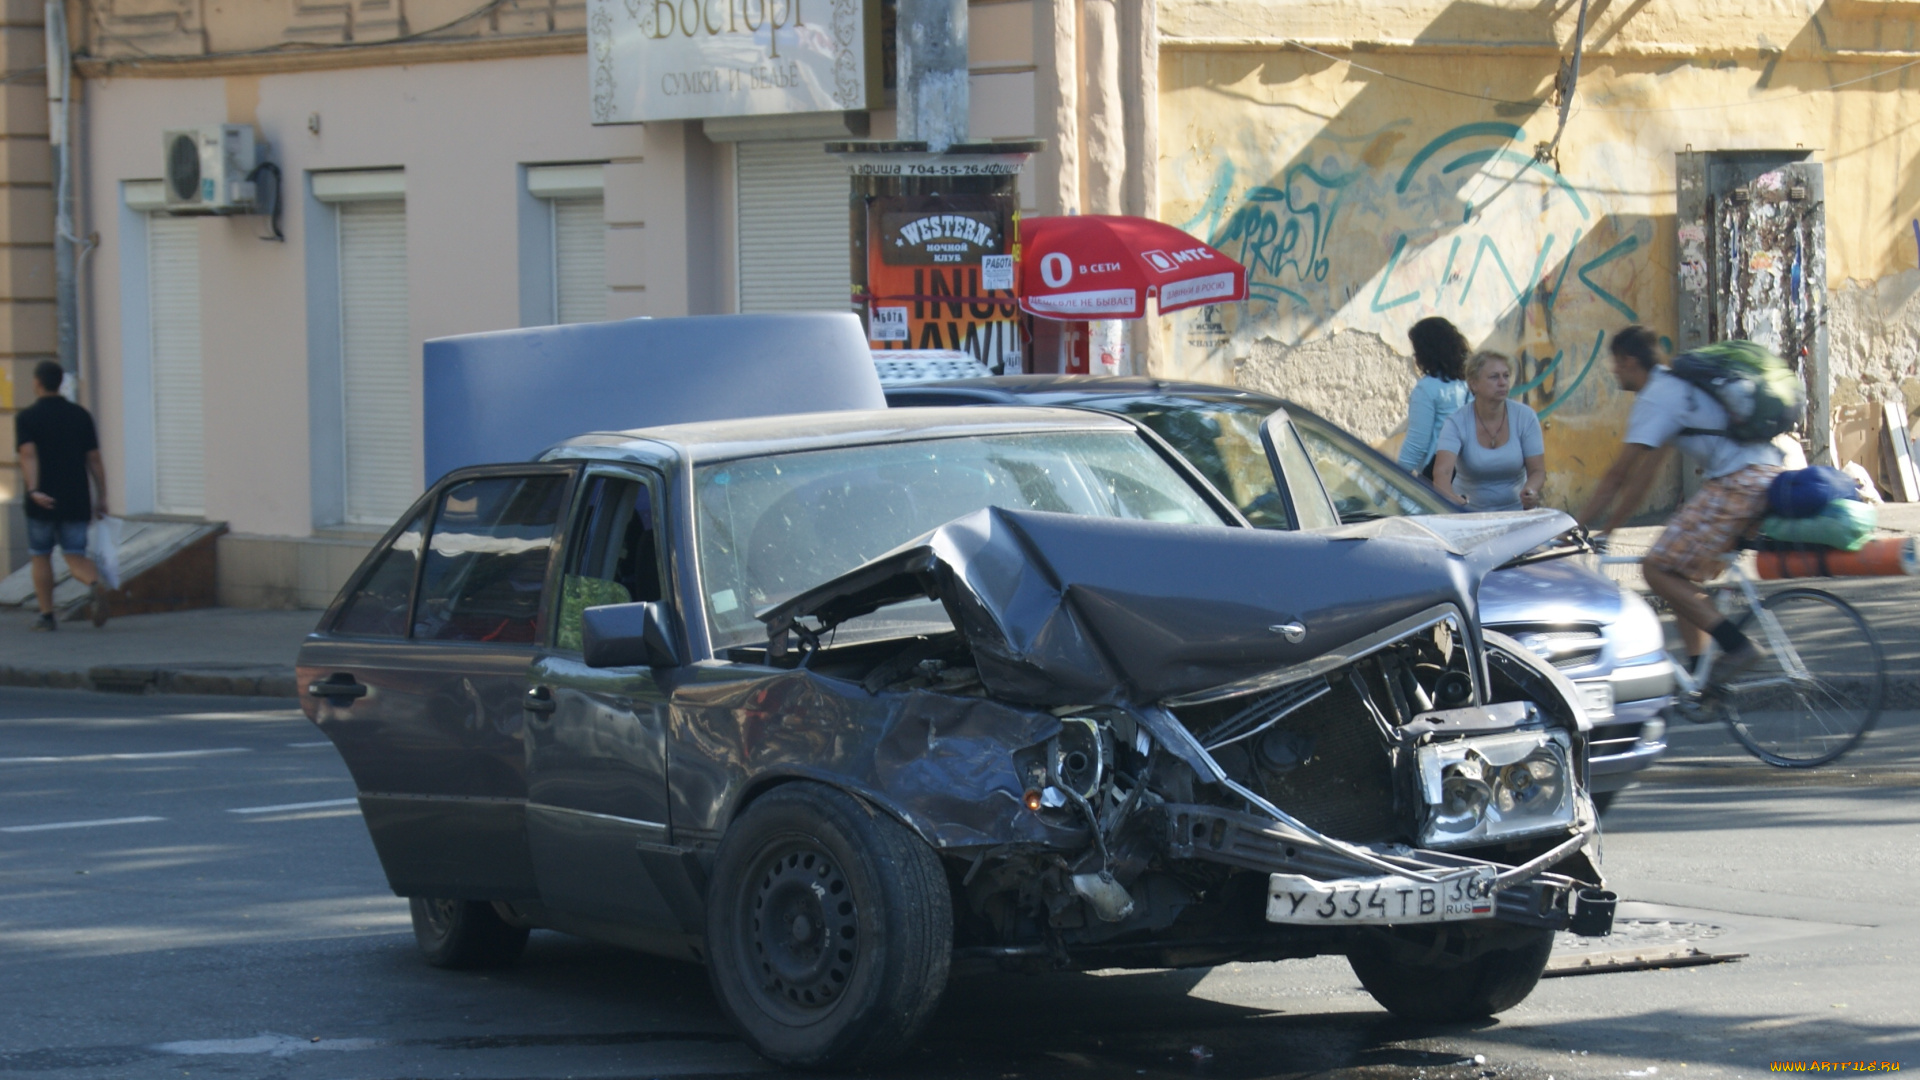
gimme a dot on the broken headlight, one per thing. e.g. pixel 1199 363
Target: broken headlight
pixel 1496 787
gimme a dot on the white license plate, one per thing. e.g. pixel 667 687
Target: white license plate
pixel 1292 898
pixel 1597 699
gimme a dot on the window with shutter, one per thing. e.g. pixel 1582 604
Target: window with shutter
pixel 792 200
pixel 579 259
pixel 173 290
pixel 376 361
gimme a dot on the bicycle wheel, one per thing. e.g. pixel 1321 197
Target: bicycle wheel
pixel 1800 716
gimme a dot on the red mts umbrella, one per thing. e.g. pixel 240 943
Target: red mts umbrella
pixel 1099 266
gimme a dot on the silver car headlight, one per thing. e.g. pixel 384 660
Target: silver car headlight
pixel 1637 631
pixel 1499 787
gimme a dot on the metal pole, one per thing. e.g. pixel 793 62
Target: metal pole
pixel 66 279
pixel 931 39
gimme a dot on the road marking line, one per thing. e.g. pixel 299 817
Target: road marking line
pixel 154 756
pixel 295 806
pixel 80 824
pixel 308 745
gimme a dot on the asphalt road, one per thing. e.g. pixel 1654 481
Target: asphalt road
pixel 206 903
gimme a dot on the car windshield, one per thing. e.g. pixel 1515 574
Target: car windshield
pixel 1222 440
pixel 772 527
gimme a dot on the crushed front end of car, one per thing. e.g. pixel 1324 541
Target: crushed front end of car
pixel 1158 745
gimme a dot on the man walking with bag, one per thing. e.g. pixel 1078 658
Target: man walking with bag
pixel 1739 464
pixel 59 451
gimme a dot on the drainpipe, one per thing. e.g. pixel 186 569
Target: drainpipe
pixel 931 39
pixel 66 277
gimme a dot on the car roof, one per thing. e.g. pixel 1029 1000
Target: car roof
pixel 1043 389
pixel 722 440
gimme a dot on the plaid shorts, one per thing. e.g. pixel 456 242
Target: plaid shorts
pixel 1708 525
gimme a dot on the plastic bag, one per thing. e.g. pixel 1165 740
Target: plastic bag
pixel 103 547
pixel 1845 524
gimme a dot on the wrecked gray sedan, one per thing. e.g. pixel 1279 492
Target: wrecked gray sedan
pixel 837 704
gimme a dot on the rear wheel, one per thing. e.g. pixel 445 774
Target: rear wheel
pixel 464 933
pixel 1409 985
pixel 829 928
pixel 1799 716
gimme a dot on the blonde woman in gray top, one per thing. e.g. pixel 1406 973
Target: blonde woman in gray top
pixel 1490 453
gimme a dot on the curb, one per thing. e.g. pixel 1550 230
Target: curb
pixel 122 679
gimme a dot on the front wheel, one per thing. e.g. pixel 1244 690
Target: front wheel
pixel 1814 695
pixel 829 929
pixel 1413 987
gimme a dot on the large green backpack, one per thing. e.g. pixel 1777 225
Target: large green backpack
pixel 1762 395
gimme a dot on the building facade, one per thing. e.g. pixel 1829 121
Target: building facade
pixel 440 175
pixel 1370 163
pixel 1736 168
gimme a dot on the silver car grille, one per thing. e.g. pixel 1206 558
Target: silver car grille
pixel 1567 648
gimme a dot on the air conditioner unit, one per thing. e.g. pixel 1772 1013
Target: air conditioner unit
pixel 207 169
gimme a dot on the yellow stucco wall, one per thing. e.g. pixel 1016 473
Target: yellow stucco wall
pixel 1362 202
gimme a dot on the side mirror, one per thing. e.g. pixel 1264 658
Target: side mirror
pixel 627 635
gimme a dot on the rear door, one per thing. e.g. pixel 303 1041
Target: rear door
pixel 422 674
pixel 597 806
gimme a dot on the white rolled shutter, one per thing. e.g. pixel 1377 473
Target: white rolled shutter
pixel 173 284
pixel 376 354
pixel 793 246
pixel 579 260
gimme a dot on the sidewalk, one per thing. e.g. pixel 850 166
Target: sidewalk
pixel 208 651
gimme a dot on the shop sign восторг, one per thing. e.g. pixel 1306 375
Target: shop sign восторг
pixel 695 59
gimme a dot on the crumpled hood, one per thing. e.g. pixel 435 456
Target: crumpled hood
pixel 1062 609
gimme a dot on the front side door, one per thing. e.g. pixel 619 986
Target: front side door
pixel 421 678
pixel 596 738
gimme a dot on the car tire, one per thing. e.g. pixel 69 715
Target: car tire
pixel 464 933
pixel 829 929
pixel 1436 991
pixel 1602 800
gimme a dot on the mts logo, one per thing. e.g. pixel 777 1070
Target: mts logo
pixel 1167 263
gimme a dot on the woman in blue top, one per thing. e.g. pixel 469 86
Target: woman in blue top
pixel 1440 352
pixel 1491 456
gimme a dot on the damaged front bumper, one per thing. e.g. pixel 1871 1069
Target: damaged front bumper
pixel 1311 882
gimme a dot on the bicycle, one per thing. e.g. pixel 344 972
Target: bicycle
pixel 1815 692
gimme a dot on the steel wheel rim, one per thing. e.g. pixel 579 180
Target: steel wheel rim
pixel 796 933
pixel 440 916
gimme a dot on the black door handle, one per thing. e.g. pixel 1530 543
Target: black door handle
pixel 338 685
pixel 539 699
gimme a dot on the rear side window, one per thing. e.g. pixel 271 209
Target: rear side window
pixel 378 608
pixel 486 559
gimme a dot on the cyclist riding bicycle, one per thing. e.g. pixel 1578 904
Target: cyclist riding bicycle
pixel 1668 411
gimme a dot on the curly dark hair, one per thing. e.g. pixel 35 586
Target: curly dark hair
pixel 1642 344
pixel 1439 348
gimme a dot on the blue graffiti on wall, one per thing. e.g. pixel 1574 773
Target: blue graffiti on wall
pixel 1283 233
